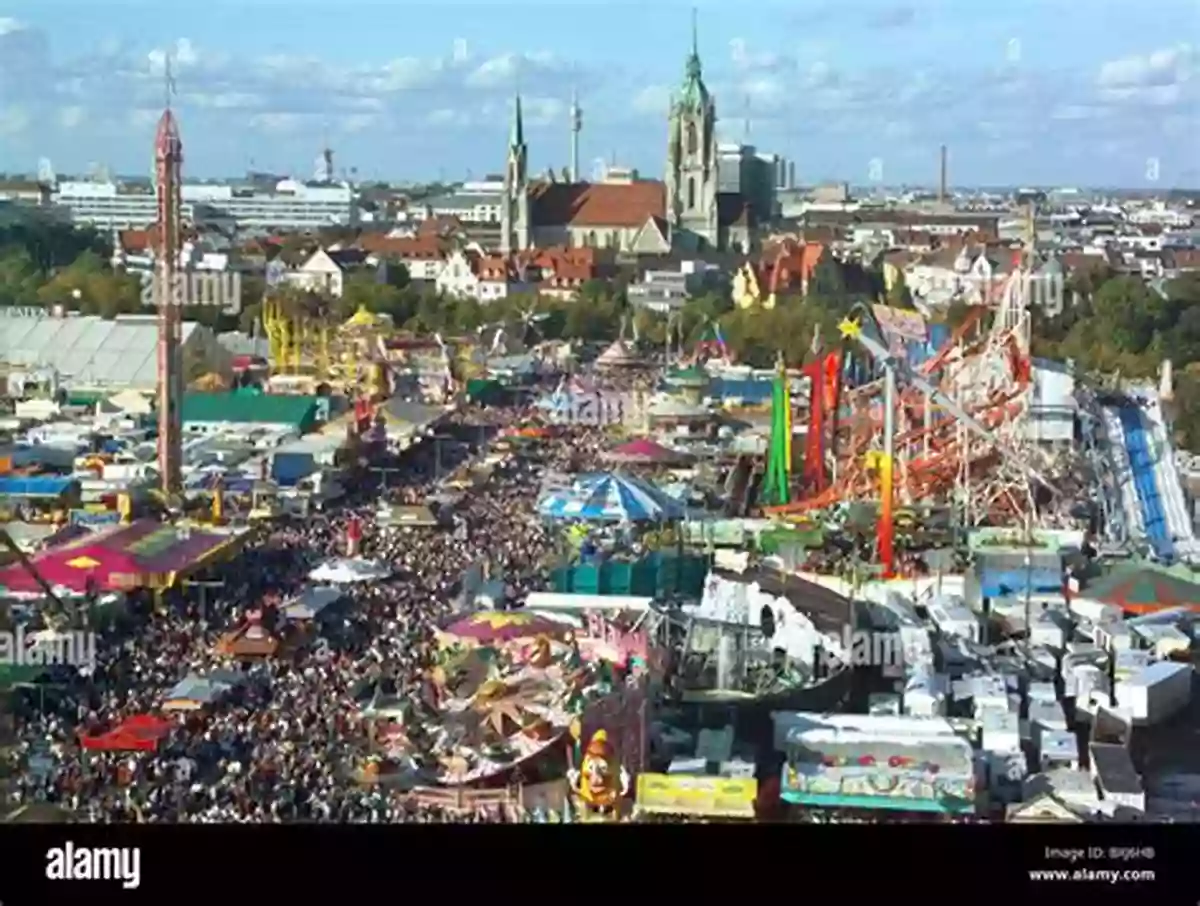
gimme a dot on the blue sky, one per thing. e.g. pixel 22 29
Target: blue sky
pixel 1069 92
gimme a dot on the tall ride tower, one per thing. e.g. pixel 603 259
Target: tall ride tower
pixel 168 159
pixel 576 126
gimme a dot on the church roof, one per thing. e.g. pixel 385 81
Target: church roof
pixel 623 205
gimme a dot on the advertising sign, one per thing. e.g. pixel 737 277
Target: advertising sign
pixel 683 794
pixel 877 786
pixel 94 518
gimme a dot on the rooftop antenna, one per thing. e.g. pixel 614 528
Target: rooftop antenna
pixel 746 124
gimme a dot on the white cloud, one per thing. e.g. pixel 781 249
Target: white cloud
pixel 541 111
pixel 653 100
pixel 359 122
pixel 447 117
pixel 71 117
pixel 276 123
pixel 14 120
pixel 1162 78
pixel 143 118
pixel 231 100
pixel 8 26
pixel 1162 67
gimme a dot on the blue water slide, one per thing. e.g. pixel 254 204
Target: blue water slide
pixel 1141 464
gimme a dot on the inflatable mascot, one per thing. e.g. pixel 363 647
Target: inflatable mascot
pixel 600 781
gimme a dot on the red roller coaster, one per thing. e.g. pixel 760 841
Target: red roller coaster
pixel 959 438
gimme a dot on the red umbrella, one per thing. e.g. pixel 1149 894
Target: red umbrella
pixel 644 450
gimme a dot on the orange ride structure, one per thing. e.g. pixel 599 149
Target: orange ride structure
pixel 948 432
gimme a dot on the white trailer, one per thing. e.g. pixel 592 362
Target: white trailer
pixel 1156 693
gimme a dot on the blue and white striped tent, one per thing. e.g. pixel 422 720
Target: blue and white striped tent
pixel 611 498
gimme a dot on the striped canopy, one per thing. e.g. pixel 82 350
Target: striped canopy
pixel 611 498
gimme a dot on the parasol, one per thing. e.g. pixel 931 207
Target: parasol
pixel 612 498
pixel 504 626
pixel 645 451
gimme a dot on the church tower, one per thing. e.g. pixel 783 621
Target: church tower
pixel 692 159
pixel 514 213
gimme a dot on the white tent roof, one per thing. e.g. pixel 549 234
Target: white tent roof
pixel 87 349
pixel 345 572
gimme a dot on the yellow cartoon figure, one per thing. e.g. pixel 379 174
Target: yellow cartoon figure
pixel 600 781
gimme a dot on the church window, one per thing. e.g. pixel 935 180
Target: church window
pixel 691 198
pixel 693 142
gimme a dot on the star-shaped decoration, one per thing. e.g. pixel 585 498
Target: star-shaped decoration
pixel 84 562
pixel 850 328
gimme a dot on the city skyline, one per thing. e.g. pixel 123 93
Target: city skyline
pixel 1030 94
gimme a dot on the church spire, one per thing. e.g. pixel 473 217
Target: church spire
pixel 518 126
pixel 694 93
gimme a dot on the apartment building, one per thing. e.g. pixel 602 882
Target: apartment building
pixel 290 205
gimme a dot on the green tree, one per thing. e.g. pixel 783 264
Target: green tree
pixel 828 278
pixel 19 278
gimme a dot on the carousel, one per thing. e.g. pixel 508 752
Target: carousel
pixel 506 690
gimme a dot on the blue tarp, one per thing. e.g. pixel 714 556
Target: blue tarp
pixel 35 487
pixel 999 583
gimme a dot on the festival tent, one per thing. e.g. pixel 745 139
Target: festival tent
pixel 504 626
pixel 145 553
pixel 1143 588
pixel 619 355
pixel 647 452
pixel 140 733
pixel 346 572
pixel 311 602
pixel 196 691
pixel 612 498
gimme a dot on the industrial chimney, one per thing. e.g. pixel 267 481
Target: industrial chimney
pixel 942 194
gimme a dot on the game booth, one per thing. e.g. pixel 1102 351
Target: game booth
pixel 897 768
pixel 696 797
pixel 143 554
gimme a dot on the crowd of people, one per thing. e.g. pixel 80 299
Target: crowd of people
pixel 286 744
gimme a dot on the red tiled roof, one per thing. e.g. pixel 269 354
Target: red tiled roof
pixel 146 240
pixel 627 205
pixel 788 265
pixel 440 225
pixel 412 248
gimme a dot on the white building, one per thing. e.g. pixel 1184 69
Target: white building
pixel 472 202
pixel 291 205
pixel 324 272
pixel 470 275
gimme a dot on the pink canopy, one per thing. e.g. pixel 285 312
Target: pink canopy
pixel 644 450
